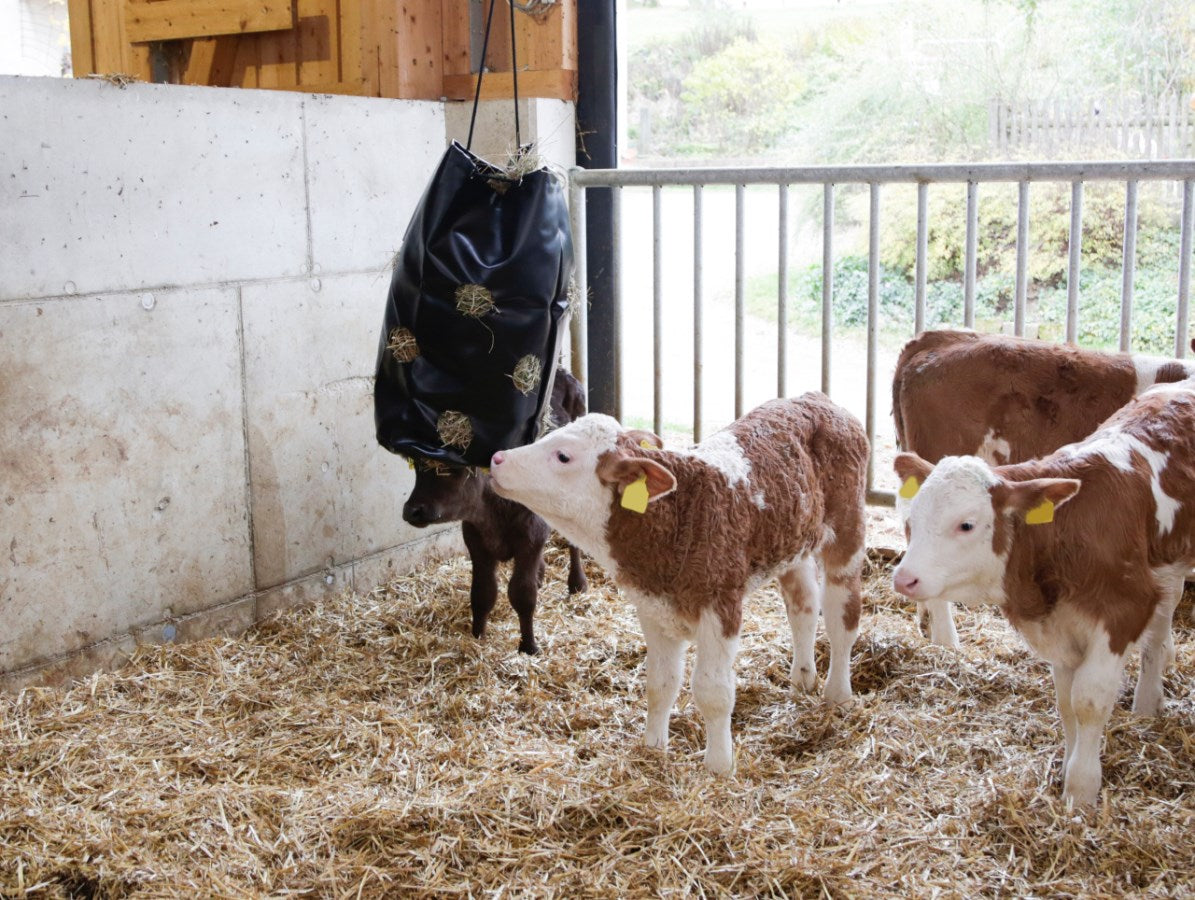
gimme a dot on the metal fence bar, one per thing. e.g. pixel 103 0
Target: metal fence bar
pixel 922 256
pixel 1022 282
pixel 1184 271
pixel 616 284
pixel 873 321
pixel 657 312
pixel 970 254
pixel 1160 170
pixel 1129 263
pixel 739 311
pixel 697 325
pixel 579 323
pixel 782 298
pixel 827 282
pixel 1074 254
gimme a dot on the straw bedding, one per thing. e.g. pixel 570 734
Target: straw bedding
pixel 369 746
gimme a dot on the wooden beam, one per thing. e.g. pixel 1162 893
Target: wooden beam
pixel 560 84
pixel 420 50
pixel 82 51
pixel 167 20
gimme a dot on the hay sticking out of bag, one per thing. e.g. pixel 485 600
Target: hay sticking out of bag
pixel 474 300
pixel 574 296
pixel 455 429
pixel 403 344
pixel 370 746
pixel 527 374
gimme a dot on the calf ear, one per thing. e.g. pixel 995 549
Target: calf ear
pixel 623 470
pixel 910 465
pixel 644 438
pixel 1023 496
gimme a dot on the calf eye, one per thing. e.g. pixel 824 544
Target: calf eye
pixel 967 526
pixel 563 457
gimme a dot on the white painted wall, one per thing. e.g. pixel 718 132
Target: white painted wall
pixel 191 287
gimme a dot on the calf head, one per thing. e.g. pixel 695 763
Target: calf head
pixel 959 526
pixel 570 476
pixel 443 493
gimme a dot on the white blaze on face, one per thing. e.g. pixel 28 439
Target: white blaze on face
pixel 556 478
pixel 950 522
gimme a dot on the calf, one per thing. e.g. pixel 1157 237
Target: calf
pixel 1007 400
pixel 687 535
pixel 497 530
pixel 1084 588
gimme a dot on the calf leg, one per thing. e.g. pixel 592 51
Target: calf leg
pixel 841 609
pixel 802 601
pixel 1157 650
pixel 577 582
pixel 1063 679
pixel 526 576
pixel 1092 695
pixel 483 590
pixel 665 665
pixel 713 689
pixel 941 623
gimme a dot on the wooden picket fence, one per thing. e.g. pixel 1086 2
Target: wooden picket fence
pixel 1163 128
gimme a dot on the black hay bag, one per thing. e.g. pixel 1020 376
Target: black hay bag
pixel 475 314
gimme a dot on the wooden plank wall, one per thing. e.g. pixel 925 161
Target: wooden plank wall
pixel 408 49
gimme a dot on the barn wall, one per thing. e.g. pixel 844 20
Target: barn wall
pixel 191 290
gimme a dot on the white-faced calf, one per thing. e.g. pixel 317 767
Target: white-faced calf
pixel 687 535
pixel 496 530
pixel 1083 586
pixel 1008 400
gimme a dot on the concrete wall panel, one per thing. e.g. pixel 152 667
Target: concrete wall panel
pixel 324 492
pixel 369 162
pixel 121 465
pixel 154 185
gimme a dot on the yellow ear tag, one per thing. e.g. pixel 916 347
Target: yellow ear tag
pixel 647 445
pixel 634 496
pixel 1042 514
pixel 909 489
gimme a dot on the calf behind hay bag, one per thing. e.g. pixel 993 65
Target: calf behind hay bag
pixel 475 313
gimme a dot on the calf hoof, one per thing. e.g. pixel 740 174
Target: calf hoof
pixel 719 763
pixel 578 583
pixel 530 648
pixel 804 678
pixel 836 694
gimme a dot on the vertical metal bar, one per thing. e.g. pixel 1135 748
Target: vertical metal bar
pixel 1022 285
pixel 827 282
pixel 970 254
pixel 616 300
pixel 1184 271
pixel 1075 253
pixel 873 325
pixel 579 324
pixel 922 255
pixel 739 192
pixel 697 329
pixel 657 313
pixel 1129 264
pixel 782 299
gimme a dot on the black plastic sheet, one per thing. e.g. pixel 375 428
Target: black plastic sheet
pixel 475 313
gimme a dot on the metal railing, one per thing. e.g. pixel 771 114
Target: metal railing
pixel 873 177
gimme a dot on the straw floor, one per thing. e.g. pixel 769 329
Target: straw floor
pixel 370 747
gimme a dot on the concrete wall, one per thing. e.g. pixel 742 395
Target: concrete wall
pixel 191 287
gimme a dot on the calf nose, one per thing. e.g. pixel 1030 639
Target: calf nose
pixel 497 459
pixel 416 514
pixel 905 583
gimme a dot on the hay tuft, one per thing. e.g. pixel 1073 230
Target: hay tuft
pixel 369 746
pixel 474 300
pixel 526 374
pixel 403 344
pixel 455 429
pixel 575 296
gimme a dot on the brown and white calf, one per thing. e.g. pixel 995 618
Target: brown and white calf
pixel 1085 587
pixel 779 492
pixel 1008 400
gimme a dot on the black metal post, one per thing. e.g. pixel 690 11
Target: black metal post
pixel 597 148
